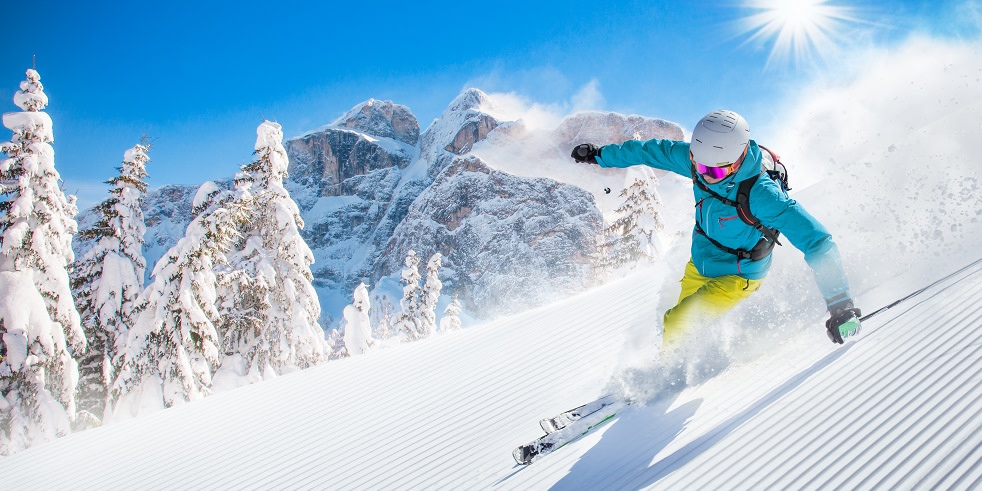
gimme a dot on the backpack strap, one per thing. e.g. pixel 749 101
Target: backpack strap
pixel 763 247
pixel 743 210
pixel 780 172
pixel 742 205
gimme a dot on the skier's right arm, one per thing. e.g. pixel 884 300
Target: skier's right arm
pixel 667 155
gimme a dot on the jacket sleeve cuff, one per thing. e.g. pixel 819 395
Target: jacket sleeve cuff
pixel 598 158
pixel 839 302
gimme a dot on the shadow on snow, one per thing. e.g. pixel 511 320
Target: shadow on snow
pixel 629 446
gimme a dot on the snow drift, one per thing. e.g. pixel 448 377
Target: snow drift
pixel 446 413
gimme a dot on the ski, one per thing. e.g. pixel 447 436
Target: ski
pixel 573 431
pixel 565 418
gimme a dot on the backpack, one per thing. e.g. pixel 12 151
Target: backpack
pixel 771 166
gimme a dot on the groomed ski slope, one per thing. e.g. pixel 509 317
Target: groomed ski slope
pixel 899 409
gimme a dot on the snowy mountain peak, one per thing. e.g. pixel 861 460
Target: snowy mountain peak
pixel 372 136
pixel 469 100
pixel 462 125
pixel 382 119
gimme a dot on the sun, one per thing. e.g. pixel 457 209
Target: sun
pixel 800 29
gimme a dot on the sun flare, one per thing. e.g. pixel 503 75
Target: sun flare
pixel 799 29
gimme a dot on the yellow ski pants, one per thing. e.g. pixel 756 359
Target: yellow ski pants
pixel 703 299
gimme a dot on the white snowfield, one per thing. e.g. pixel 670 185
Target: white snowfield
pixel 900 408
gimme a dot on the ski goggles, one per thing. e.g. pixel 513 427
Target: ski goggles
pixel 715 172
pixel 719 172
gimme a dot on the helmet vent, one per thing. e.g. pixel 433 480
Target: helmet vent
pixel 720 137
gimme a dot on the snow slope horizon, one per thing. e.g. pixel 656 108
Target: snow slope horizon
pixel 906 420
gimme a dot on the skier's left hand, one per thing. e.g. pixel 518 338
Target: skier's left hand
pixel 585 152
pixel 843 322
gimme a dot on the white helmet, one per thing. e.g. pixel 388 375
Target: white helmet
pixel 720 138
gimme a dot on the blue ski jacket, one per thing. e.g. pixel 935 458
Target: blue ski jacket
pixel 768 201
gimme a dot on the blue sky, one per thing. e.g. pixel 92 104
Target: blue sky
pixel 198 77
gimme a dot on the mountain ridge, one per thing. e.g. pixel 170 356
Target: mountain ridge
pixel 357 179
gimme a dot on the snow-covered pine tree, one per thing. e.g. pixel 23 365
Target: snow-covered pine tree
pixel 633 236
pixel 451 316
pixel 108 281
pixel 243 301
pixel 173 347
pixel 40 332
pixel 276 262
pixel 430 296
pixel 357 324
pixel 383 317
pixel 335 345
pixel 409 319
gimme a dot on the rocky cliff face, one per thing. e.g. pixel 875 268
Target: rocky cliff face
pixel 604 128
pixel 356 179
pixel 382 119
pixel 371 186
pixel 373 136
pixel 508 243
pixel 325 161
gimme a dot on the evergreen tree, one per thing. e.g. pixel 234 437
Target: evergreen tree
pixel 275 281
pixel 430 295
pixel 633 236
pixel 173 347
pixel 40 332
pixel 335 345
pixel 383 318
pixel 409 319
pixel 108 281
pixel 451 316
pixel 358 326
pixel 243 301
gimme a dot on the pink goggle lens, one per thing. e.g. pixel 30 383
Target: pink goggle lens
pixel 714 172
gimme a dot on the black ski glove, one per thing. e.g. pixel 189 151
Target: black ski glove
pixel 586 152
pixel 843 321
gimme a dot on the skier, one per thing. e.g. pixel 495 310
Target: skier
pixel 730 258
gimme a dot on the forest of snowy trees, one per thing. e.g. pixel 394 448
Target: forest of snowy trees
pixel 86 342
